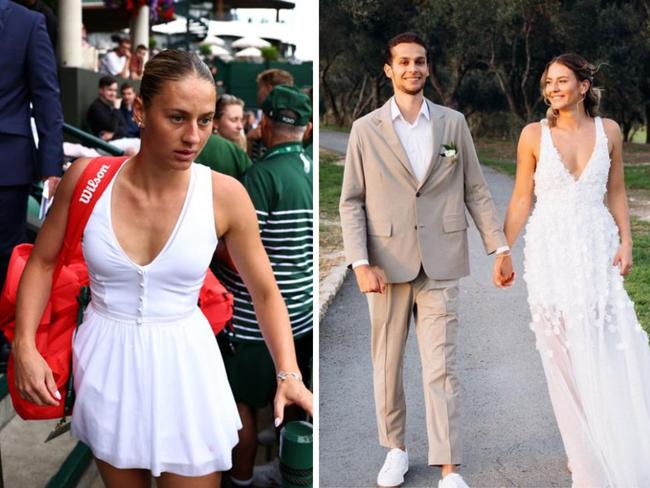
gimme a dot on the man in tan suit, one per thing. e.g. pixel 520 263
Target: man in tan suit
pixel 410 171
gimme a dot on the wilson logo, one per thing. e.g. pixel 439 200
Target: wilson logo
pixel 91 186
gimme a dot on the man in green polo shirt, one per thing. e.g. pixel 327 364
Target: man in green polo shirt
pixel 224 156
pixel 280 186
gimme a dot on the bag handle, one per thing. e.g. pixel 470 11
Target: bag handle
pixel 91 184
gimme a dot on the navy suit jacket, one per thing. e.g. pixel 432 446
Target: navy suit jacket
pixel 28 73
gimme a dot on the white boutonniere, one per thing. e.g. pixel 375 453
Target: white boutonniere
pixel 449 151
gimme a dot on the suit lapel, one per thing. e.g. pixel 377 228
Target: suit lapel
pixel 438 126
pixel 385 125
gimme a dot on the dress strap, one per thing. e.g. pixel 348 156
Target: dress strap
pixel 546 137
pixel 600 131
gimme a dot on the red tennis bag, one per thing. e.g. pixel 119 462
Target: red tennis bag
pixel 60 317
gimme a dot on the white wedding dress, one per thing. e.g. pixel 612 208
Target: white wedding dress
pixel 595 355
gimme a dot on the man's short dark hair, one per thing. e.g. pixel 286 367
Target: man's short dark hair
pixel 404 38
pixel 125 86
pixel 141 46
pixel 106 81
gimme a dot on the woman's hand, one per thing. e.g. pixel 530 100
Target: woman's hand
pixel 292 392
pixel 34 378
pixel 623 259
pixel 502 274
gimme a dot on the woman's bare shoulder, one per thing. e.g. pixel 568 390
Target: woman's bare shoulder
pixel 531 131
pixel 530 135
pixel 612 129
pixel 70 178
pixel 225 188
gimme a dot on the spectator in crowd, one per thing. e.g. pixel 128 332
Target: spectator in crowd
pixel 126 109
pixel 137 62
pixel 308 137
pixel 104 119
pixel 250 122
pixel 88 51
pixel 266 80
pixel 229 119
pixel 118 61
pixel 28 76
pixel 224 156
pixel 280 186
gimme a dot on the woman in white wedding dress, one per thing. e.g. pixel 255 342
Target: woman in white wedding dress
pixel 578 248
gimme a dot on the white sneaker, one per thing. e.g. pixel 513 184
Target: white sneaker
pixel 452 480
pixel 395 467
pixel 267 474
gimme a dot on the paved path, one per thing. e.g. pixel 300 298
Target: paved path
pixel 334 141
pixel 509 434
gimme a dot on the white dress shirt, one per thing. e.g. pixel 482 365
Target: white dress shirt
pixel 112 64
pixel 416 138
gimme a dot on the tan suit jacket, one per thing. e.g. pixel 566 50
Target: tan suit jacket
pixel 400 224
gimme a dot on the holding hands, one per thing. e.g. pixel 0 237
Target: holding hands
pixel 503 275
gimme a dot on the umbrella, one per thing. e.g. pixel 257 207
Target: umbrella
pixel 214 41
pixel 249 52
pixel 250 42
pixel 219 51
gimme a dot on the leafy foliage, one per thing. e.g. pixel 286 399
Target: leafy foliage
pixel 486 56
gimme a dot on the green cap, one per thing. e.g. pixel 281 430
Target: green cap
pixel 288 105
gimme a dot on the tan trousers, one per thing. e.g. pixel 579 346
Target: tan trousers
pixel 434 305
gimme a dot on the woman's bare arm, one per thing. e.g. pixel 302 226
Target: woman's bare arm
pixel 617 196
pixel 33 377
pixel 236 223
pixel 522 193
pixel 522 196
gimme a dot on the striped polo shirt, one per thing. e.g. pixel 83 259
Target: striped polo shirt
pixel 280 186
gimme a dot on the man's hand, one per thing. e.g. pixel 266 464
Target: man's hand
pixel 371 279
pixel 106 135
pixel 503 275
pixel 52 183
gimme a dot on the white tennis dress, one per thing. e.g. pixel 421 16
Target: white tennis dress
pixel 151 387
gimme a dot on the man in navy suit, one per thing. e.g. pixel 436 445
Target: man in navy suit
pixel 28 75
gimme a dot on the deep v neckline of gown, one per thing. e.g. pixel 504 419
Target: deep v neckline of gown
pixel 574 178
pixel 171 236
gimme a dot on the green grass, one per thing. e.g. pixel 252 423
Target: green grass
pixel 331 176
pixel 637 283
pixel 636 177
pixel 507 167
pixel 639 136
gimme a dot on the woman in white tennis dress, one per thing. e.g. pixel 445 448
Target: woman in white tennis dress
pixel 152 397
pixel 578 248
